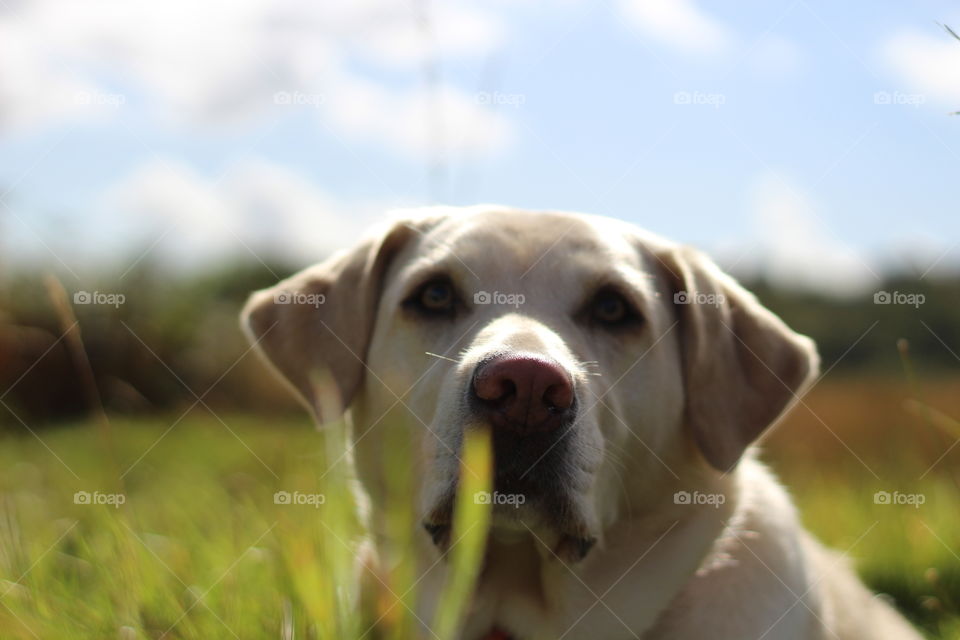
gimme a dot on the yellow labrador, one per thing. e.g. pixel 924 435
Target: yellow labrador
pixel 623 378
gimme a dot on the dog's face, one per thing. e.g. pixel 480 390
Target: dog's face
pixel 608 364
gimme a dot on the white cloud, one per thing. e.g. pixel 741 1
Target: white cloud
pixel 456 31
pixel 220 62
pixel 794 246
pixel 418 122
pixel 266 209
pixel 31 91
pixel 927 64
pixel 169 201
pixel 282 213
pixel 678 23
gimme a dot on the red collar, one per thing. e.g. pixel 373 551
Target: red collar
pixel 497 634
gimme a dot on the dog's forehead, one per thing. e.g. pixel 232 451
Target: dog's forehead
pixel 517 241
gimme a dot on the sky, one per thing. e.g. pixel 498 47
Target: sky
pixel 806 139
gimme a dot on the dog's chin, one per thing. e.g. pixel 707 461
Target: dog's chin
pixel 554 524
pixel 568 541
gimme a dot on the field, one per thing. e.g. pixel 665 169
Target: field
pixel 200 547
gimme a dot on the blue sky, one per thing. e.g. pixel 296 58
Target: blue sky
pixel 808 139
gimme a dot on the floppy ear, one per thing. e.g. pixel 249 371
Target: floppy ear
pixel 314 327
pixel 742 365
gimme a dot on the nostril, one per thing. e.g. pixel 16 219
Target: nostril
pixel 559 396
pixel 492 387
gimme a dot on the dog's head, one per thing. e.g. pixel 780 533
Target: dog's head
pixel 604 360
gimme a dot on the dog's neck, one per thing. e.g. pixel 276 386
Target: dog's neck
pixel 523 586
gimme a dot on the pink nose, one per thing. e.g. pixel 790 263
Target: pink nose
pixel 524 392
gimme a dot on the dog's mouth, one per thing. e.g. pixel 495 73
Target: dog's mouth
pixel 534 493
pixel 570 545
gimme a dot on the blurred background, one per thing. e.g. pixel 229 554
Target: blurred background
pixel 160 160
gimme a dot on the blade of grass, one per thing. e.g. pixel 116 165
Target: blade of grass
pixel 957 37
pixel 471 521
pixel 71 326
pixel 935 417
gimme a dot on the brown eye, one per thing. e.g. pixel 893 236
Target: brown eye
pixel 611 310
pixel 437 296
pixel 434 299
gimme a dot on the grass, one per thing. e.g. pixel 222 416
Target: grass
pixel 201 549
pixel 853 438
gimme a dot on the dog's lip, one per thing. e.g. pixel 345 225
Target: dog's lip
pixel 439 532
pixel 572 548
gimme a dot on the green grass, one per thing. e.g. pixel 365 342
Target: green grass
pixel 854 437
pixel 904 552
pixel 200 549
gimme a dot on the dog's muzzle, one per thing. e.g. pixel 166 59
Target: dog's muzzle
pixel 530 405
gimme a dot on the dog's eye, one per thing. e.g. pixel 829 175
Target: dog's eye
pixel 437 296
pixel 611 309
pixel 434 298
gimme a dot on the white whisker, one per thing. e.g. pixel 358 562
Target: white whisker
pixel 437 355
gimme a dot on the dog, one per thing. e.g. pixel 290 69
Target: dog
pixel 623 378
